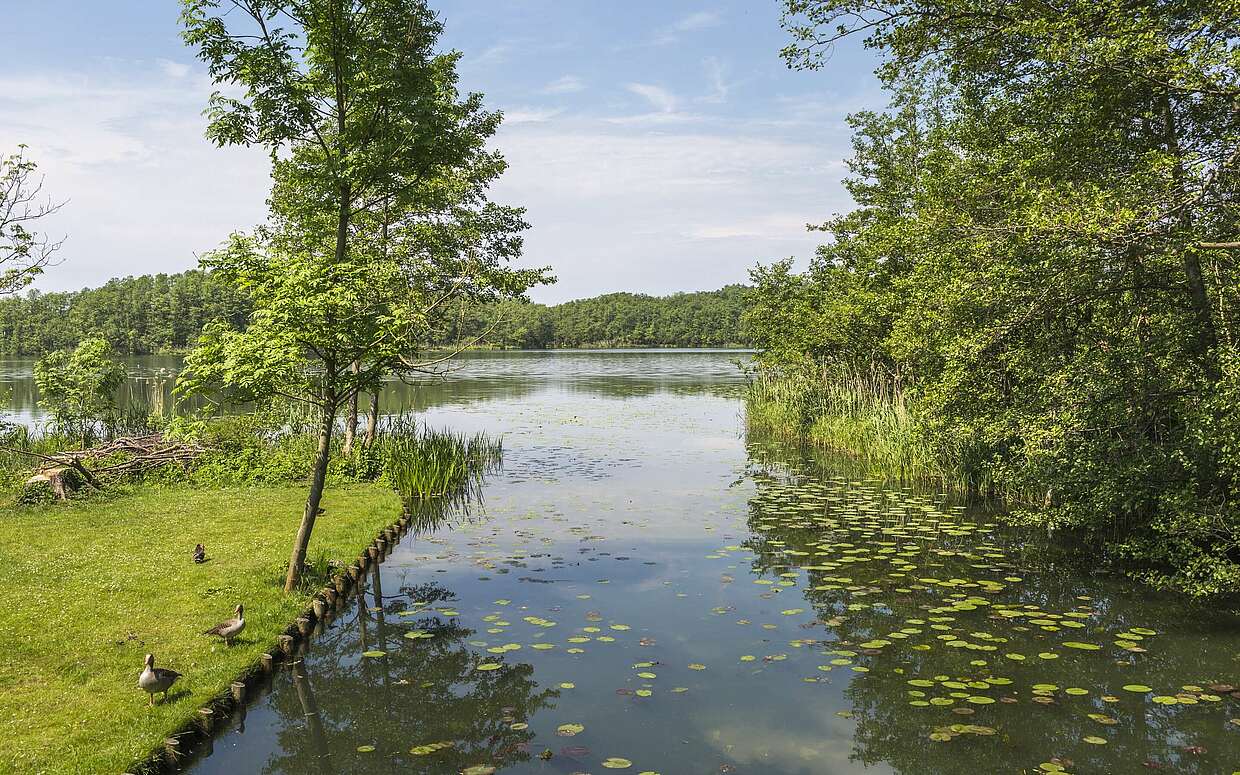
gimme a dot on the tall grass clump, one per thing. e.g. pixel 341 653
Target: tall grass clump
pixel 420 462
pixel 868 419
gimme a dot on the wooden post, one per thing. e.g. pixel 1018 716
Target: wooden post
pixel 268 662
pixel 206 720
pixel 286 644
pixel 320 607
pixel 172 750
pixel 303 626
pixel 329 594
pixel 238 692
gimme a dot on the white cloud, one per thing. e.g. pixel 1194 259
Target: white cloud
pixel 773 226
pixel 655 203
pixel 697 21
pixel 694 22
pixel 145 189
pixel 530 115
pixel 491 56
pixel 715 74
pixel 667 207
pixel 661 99
pixel 569 84
pixel 173 69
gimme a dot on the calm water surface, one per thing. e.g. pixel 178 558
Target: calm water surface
pixel 645 588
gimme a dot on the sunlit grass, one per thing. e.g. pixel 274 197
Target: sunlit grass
pixel 91 586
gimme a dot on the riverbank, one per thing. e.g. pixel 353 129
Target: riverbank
pixel 880 434
pixel 94 586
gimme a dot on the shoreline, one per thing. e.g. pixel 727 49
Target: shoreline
pixel 186 742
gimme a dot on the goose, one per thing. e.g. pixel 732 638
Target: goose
pixel 229 628
pixel 156 680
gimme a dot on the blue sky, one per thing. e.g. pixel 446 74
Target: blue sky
pixel 658 146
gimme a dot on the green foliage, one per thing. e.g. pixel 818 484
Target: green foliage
pixel 79 386
pixel 138 315
pixel 863 418
pixel 379 206
pixel 1038 263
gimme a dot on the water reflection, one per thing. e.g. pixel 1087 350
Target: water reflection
pixel 958 646
pixel 407 699
pixel 499 375
pixel 701 602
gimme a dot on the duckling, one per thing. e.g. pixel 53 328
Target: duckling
pixel 229 628
pixel 156 680
pixel 200 554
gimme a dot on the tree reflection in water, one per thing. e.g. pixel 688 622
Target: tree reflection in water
pixel 845 536
pixel 421 692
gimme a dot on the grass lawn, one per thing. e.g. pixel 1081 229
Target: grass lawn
pixel 91 587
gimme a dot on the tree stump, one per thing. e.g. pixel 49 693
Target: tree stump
pixel 49 484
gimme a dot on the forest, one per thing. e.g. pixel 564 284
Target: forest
pixel 1035 295
pixel 165 313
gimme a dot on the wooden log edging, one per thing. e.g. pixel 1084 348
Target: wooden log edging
pixel 189 740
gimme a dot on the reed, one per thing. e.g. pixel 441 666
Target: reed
pixel 420 462
pixel 866 418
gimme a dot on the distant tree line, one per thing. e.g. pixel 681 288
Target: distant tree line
pixel 136 315
pixel 701 319
pixel 165 313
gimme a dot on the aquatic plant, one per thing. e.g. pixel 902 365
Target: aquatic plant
pixel 420 462
pixel 867 419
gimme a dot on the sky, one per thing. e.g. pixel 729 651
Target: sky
pixel 658 147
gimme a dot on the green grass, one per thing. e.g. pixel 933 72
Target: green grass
pixel 92 586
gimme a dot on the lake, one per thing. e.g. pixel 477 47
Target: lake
pixel 646 588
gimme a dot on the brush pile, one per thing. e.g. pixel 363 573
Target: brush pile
pixel 63 473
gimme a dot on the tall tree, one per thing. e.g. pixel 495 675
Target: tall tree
pixel 366 126
pixel 1044 251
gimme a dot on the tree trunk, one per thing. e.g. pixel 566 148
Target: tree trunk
pixel 1206 336
pixel 350 423
pixel 372 419
pixel 321 459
